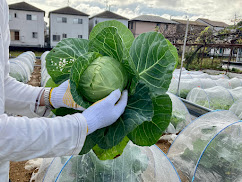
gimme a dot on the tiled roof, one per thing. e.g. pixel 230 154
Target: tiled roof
pixel 197 23
pixel 68 11
pixel 109 14
pixel 151 18
pixel 214 23
pixel 24 7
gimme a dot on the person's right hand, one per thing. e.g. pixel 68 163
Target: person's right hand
pixel 105 112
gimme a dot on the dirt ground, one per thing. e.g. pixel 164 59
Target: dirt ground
pixel 18 173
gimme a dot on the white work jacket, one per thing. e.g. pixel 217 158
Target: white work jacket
pixel 22 138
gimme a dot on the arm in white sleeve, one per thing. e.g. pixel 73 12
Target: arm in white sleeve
pixel 20 98
pixel 22 138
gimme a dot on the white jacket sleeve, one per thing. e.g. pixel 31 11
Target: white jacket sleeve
pixel 21 99
pixel 22 138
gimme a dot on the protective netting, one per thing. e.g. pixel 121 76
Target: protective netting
pixel 215 98
pixel 199 155
pixel 136 164
pixel 186 85
pixel 44 74
pixel 180 115
pixel 236 108
pixel 222 158
pixel 196 74
pixel 22 66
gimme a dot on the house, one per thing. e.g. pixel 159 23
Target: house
pixel 105 16
pixel 67 22
pixel 194 29
pixel 26 24
pixel 148 23
pixel 216 25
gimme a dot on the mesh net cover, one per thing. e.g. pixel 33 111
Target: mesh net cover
pixel 136 164
pixel 180 116
pixel 236 108
pixel 221 160
pixel 187 148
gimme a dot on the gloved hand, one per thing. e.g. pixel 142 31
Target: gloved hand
pixel 61 97
pixel 105 112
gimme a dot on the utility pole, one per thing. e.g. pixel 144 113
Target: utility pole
pixel 183 55
pixel 68 3
pixel 235 18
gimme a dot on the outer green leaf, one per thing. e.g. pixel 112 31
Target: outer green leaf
pixel 123 31
pixel 112 153
pixel 154 60
pixel 64 111
pixel 77 70
pixel 88 145
pixel 51 83
pixel 60 59
pixel 108 43
pixel 149 132
pixel 138 110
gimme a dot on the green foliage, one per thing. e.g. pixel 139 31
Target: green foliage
pixel 221 157
pixel 111 58
pixel 239 24
pixel 206 36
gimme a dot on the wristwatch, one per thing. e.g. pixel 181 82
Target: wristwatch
pixel 47 98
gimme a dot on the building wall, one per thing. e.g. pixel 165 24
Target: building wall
pixel 139 27
pixel 95 20
pixel 27 27
pixel 72 30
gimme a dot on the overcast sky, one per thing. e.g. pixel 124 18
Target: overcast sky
pixel 219 10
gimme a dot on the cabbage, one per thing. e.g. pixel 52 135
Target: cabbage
pixel 112 59
pixel 101 77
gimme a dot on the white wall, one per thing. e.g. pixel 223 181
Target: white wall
pixel 27 27
pixel 72 30
pixel 92 21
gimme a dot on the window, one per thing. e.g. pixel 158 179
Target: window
pixel 64 35
pixel 56 38
pixel 77 21
pixel 131 25
pixel 15 15
pixel 96 22
pixel 35 35
pixel 34 17
pixel 64 20
pixel 61 19
pixel 157 24
pixel 166 27
pixel 80 36
pixel 29 17
pixel 14 35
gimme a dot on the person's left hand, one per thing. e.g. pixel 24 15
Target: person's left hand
pixel 61 97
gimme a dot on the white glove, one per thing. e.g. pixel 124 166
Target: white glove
pixel 105 112
pixel 61 97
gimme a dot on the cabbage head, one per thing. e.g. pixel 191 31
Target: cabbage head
pixel 102 76
pixel 113 59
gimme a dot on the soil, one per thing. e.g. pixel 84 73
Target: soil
pixel 163 145
pixel 18 173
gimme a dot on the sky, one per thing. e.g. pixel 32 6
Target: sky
pixel 217 10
